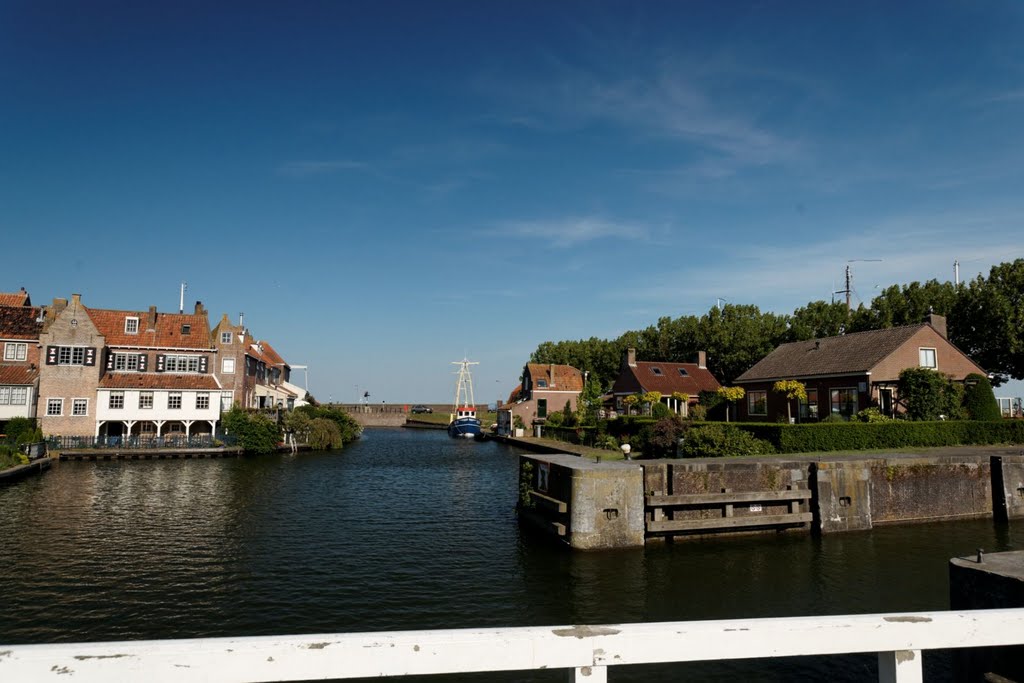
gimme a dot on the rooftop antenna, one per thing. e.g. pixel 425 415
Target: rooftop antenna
pixel 848 289
pixel 181 300
pixel 956 272
pixel 719 300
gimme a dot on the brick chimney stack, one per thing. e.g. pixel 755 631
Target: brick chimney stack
pixel 151 318
pixel 702 360
pixel 199 308
pixel 629 358
pixel 938 323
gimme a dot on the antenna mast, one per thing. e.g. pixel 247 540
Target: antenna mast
pixel 181 300
pixel 849 279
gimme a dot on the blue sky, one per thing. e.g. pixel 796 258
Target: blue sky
pixel 383 187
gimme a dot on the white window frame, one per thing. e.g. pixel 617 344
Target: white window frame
pixel 921 357
pixel 171 396
pixel 227 399
pixel 75 403
pixel 201 397
pixel 763 393
pixel 126 362
pixel 70 355
pixel 16 351
pixel 111 402
pixel 5 395
pixel 143 395
pixel 181 364
pixel 54 402
pixel 131 325
pixel 228 366
pixel 226 337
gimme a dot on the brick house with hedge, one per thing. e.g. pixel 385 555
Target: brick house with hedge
pixel 666 378
pixel 848 373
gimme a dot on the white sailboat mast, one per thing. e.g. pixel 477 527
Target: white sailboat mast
pixel 464 387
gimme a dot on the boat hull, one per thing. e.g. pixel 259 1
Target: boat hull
pixel 465 427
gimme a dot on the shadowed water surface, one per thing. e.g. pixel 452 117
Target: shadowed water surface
pixel 413 530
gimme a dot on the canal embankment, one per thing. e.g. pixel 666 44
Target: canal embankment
pixel 821 493
pixel 19 472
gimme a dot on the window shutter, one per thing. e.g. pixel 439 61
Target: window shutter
pixel 202 364
pixel 90 356
pixel 110 360
pixel 159 362
pixel 143 362
pixel 51 355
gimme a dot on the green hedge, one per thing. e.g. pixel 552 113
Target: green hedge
pixel 583 436
pixel 854 436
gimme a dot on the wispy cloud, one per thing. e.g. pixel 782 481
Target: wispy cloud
pixel 570 232
pixel 308 168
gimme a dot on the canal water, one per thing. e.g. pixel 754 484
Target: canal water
pixel 412 530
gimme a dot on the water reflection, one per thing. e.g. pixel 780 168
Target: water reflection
pixel 411 530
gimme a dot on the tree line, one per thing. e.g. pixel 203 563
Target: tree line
pixel 985 320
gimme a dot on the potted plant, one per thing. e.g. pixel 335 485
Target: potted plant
pixel 520 426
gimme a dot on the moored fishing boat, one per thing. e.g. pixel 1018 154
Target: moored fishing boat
pixel 464 422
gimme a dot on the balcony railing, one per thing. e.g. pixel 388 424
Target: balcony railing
pixel 65 443
pixel 586 651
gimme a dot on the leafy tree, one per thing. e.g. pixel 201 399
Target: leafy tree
pixel 929 395
pixel 731 394
pixel 568 415
pixel 819 319
pixel 793 390
pixel 979 401
pixel 347 426
pixel 989 321
pixel 910 304
pixel 255 433
pixel 324 434
pixel 589 401
pixel 18 426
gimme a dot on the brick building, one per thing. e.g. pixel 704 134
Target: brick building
pixel 665 378
pixel 20 325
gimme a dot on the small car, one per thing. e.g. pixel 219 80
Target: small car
pixel 421 409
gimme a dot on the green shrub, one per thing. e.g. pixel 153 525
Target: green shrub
pixel 660 410
pixel 663 437
pixel 698 413
pixel 17 427
pixel 554 420
pixel 324 434
pixel 872 415
pixel 349 429
pixel 979 401
pixel 929 395
pixel 715 440
pixel 255 433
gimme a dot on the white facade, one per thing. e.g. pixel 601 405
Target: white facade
pixel 17 401
pixel 169 411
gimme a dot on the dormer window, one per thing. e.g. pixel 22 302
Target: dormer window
pixel 542 384
pixel 186 329
pixel 131 325
pixel 683 372
pixel 656 371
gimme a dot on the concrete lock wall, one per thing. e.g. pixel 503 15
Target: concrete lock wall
pixel 588 505
pixel 593 505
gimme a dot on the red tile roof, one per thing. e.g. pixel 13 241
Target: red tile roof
pixel 19 322
pixel 270 356
pixel 558 377
pixel 15 299
pixel 18 374
pixel 666 378
pixel 166 333
pixel 846 354
pixel 150 380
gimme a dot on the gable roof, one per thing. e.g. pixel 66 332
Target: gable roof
pixel 19 322
pixel 666 378
pixel 166 332
pixel 270 356
pixel 15 298
pixel 846 354
pixel 557 377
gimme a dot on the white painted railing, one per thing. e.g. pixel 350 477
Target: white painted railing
pixel 586 651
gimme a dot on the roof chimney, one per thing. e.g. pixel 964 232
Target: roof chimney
pixel 199 308
pixel 702 360
pixel 151 319
pixel 629 358
pixel 76 300
pixel 59 305
pixel 551 372
pixel 938 323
